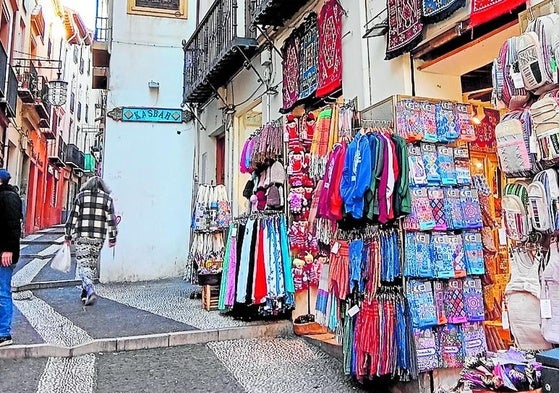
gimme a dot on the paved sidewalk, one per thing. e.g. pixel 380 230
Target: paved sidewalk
pixel 50 319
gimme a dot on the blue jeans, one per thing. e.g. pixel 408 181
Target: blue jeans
pixel 6 303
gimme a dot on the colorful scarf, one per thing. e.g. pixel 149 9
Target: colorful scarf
pixel 308 57
pixel 485 10
pixel 291 73
pixel 404 26
pixel 436 10
pixel 329 48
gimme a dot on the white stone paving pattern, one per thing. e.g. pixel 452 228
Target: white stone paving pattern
pixel 73 375
pixel 169 301
pixel 280 365
pixel 27 273
pixel 51 326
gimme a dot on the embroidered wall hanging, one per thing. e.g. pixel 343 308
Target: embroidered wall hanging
pixel 308 59
pixel 485 10
pixel 437 10
pixel 404 26
pixel 485 132
pixel 291 74
pixel 330 48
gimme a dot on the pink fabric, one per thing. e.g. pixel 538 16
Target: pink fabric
pixel 330 203
pixel 231 273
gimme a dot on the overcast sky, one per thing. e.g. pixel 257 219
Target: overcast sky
pixel 86 8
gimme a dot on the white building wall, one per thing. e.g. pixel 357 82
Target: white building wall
pixel 148 166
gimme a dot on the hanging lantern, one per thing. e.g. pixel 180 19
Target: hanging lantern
pixel 58 90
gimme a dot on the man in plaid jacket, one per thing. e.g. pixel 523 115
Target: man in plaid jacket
pixel 90 220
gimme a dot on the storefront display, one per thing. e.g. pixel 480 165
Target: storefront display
pixel 212 216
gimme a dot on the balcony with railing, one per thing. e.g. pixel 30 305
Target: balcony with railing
pixel 74 156
pixel 28 80
pixel 216 51
pixel 42 106
pixel 273 12
pixel 3 67
pixel 100 46
pixel 11 93
pixel 56 150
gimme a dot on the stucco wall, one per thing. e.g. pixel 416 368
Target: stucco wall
pixel 148 166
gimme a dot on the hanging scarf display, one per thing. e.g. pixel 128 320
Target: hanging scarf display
pixel 473 299
pixel 291 70
pixel 437 10
pixel 422 303
pixel 454 301
pixel 485 10
pixel 426 347
pixel 451 346
pixel 474 339
pixel 329 48
pixel 404 33
pixel 308 58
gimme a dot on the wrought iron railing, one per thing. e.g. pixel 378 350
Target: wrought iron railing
pixel 3 68
pixel 210 41
pixel 27 76
pixel 11 92
pixel 74 156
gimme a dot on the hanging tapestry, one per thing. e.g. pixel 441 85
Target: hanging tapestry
pixel 437 10
pixel 290 53
pixel 329 48
pixel 486 10
pixel 404 26
pixel 485 132
pixel 308 58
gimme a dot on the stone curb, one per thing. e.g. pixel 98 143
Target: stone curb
pixel 150 341
pixel 48 285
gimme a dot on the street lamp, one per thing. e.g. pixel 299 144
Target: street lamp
pixel 58 91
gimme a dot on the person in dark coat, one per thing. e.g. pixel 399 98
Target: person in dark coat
pixel 10 232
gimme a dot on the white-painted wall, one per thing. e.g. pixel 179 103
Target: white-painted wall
pixel 148 166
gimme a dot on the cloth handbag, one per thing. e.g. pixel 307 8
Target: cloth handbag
pixel 223 217
pixel 550 292
pixel 62 261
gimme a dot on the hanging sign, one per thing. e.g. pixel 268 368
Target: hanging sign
pixel 150 115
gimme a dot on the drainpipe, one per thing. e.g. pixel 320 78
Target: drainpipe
pixel 412 72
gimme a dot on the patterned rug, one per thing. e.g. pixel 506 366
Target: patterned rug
pixel 437 10
pixel 290 52
pixel 309 57
pixel 329 48
pixel 404 27
pixel 486 10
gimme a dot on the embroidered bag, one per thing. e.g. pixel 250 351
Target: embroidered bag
pixel 429 120
pixel 223 217
pixel 443 255
pixel 455 307
pixel 515 214
pixel 471 210
pixel 475 342
pixel 447 169
pixel 426 350
pixel 545 117
pixel 453 209
pixel 422 304
pixel 473 251
pixel 429 153
pixel 464 125
pixel 550 291
pixel 516 146
pixel 446 128
pixel 536 57
pixel 436 196
pixel 504 66
pixel 473 299
pixel 543 196
pixel 418 175
pixel 450 344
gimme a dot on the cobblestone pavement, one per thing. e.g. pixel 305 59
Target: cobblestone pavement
pixel 56 316
pixel 286 365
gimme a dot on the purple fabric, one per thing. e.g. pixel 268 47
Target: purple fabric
pixel 231 273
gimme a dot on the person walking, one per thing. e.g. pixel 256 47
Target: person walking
pixel 10 232
pixel 90 219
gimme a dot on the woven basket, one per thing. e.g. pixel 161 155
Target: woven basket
pixel 308 329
